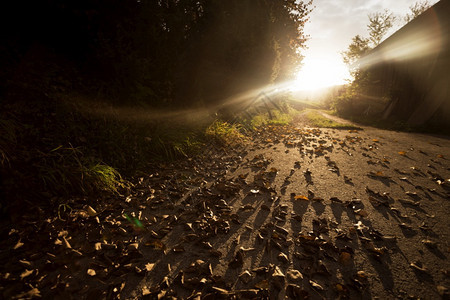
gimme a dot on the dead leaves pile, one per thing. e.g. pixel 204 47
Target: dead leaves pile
pixel 90 249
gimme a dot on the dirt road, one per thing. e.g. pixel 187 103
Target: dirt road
pixel 298 212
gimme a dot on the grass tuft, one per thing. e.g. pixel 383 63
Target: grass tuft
pixel 225 134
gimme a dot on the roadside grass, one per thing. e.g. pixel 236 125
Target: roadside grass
pixel 55 149
pixel 66 170
pixel 225 134
pixel 275 117
pixel 272 117
pixel 316 119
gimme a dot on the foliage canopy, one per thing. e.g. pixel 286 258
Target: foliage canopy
pixel 162 52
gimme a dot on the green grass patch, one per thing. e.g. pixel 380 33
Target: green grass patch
pixel 68 171
pixel 275 117
pixel 57 149
pixel 316 119
pixel 225 134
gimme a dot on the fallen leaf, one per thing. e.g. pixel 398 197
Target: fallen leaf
pixel 418 266
pixel 149 267
pixel 25 263
pixel 278 278
pixel 246 249
pixel 405 226
pixel 361 212
pixel 301 197
pixel 263 284
pixel 91 272
pixel 66 243
pixel 429 243
pixel 283 258
pixel 91 211
pixel 31 294
pixel 403 153
pixel 18 245
pixel 133 247
pixel 156 244
pixel 245 276
pixel 361 274
pixel 26 273
pixel 293 291
pixel 315 285
pixel 294 275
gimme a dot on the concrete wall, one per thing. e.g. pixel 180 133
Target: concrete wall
pixel 412 68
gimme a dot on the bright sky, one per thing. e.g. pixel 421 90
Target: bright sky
pixel 332 25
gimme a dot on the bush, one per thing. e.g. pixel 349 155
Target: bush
pixel 343 105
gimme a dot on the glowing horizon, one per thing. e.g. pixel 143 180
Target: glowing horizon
pixel 320 72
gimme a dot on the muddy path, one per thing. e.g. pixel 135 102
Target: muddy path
pixel 294 212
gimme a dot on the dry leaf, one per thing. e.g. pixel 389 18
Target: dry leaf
pixel 245 276
pixel 31 294
pixel 283 258
pixel 429 243
pixel 133 247
pixel 91 272
pixel 293 291
pixel 91 211
pixel 263 285
pixel 66 243
pixel 361 213
pixel 149 267
pixel 156 244
pixel 294 275
pixel 418 266
pixel 18 245
pixel 301 197
pixel 315 285
pixel 26 273
pixel 278 278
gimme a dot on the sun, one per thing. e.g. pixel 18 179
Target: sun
pixel 317 73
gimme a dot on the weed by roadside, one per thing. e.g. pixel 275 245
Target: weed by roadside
pixel 225 134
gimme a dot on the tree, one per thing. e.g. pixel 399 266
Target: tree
pixel 240 46
pixel 416 9
pixel 165 51
pixel 357 48
pixel 379 24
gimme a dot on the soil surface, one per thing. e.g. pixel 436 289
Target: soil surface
pixel 294 212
